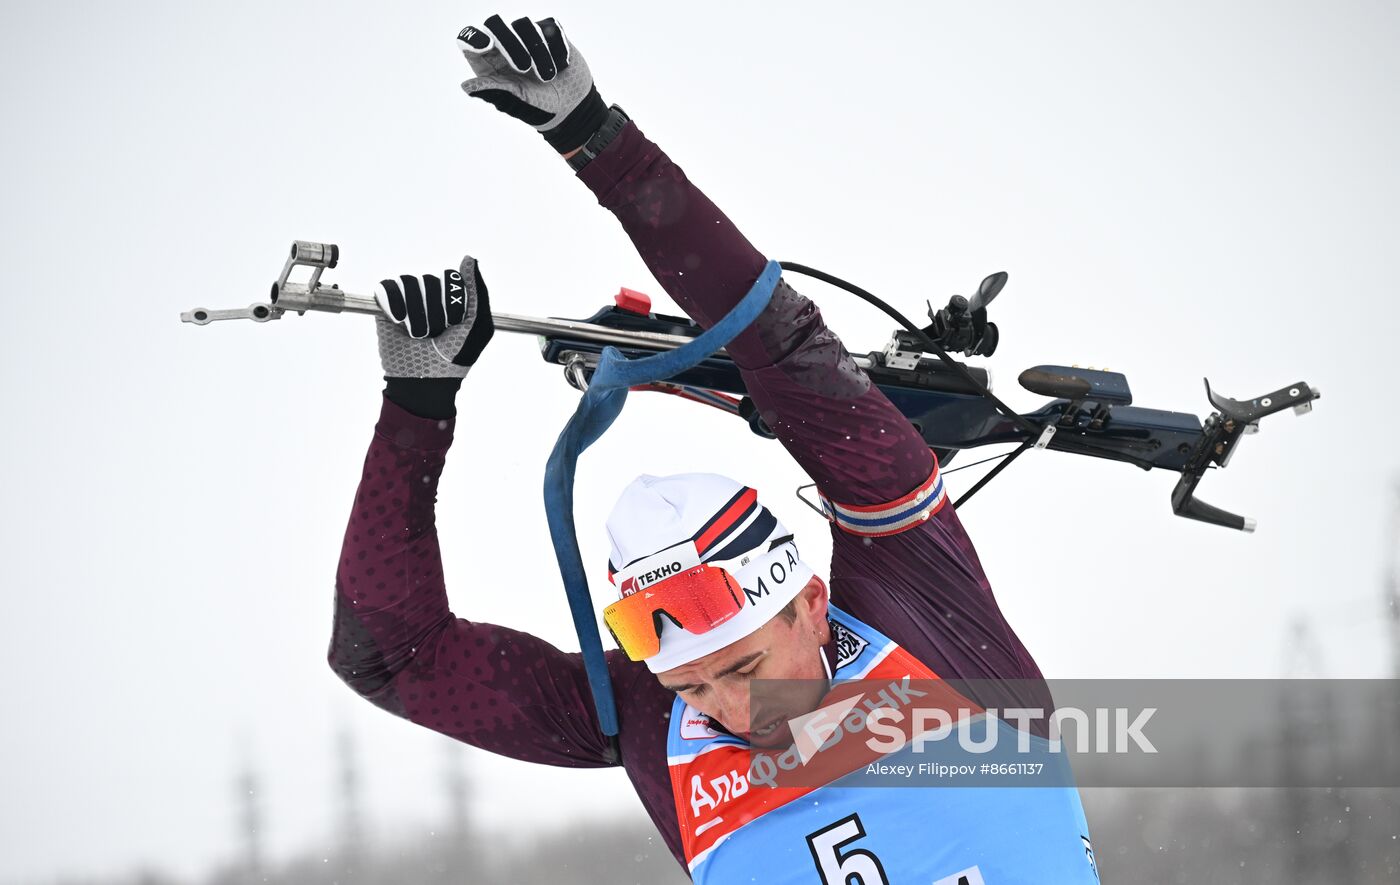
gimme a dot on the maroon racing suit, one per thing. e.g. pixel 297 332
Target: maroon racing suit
pixel 397 642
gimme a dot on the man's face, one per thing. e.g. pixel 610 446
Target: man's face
pixel 718 684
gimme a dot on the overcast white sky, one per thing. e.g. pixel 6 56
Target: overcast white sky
pixel 1177 190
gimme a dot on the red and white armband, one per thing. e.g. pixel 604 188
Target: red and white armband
pixel 901 514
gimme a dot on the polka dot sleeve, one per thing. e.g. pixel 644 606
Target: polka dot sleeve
pixel 396 641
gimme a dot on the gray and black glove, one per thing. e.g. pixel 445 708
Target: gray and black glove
pixel 433 327
pixel 532 72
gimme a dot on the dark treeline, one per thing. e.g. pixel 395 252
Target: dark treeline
pixel 1141 836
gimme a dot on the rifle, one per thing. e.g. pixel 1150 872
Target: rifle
pixel 950 403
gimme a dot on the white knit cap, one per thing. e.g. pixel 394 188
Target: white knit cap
pixel 711 519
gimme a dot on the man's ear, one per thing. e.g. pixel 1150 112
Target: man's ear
pixel 813 603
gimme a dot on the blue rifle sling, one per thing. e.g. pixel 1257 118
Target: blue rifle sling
pixel 597 409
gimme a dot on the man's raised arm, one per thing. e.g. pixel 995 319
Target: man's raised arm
pixel 395 640
pixel 863 452
pixel 900 553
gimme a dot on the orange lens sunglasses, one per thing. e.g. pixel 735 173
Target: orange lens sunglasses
pixel 698 600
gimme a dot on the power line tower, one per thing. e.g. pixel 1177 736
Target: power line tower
pixel 457 861
pixel 1386 751
pixel 1315 820
pixel 351 835
pixel 1392 579
pixel 455 785
pixel 250 824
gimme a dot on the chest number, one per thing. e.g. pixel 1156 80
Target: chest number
pixel 840 866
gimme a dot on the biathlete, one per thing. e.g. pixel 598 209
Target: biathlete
pixel 907 596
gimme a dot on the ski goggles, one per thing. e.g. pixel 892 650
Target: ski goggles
pixel 697 599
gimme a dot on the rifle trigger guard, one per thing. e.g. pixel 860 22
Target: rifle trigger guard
pixel 805 500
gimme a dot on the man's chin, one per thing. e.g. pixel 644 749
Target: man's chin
pixel 773 735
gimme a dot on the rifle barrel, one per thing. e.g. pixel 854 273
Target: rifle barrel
pixel 294 296
pixel 329 299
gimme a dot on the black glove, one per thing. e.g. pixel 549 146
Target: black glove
pixel 433 327
pixel 532 72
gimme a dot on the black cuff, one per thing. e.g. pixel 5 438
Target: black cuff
pixel 613 123
pixel 580 125
pixel 424 397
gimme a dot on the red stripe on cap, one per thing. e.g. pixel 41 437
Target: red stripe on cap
pixel 726 520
